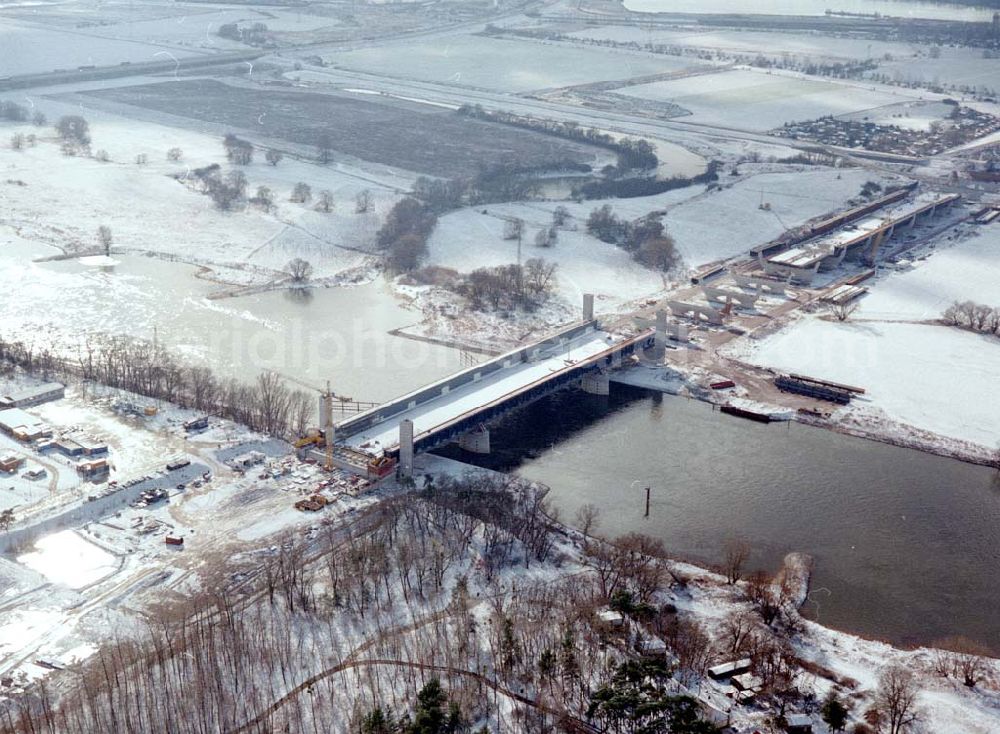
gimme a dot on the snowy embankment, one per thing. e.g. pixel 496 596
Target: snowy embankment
pixel 925 382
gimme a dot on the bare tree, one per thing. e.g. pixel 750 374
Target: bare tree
pixel 963 658
pixel 6 519
pixel 324 203
pixel 102 156
pixel 74 130
pixel 560 215
pixel 587 518
pixel 300 270
pixel 174 155
pixel 363 201
pixel 301 193
pixel 17 141
pixel 737 552
pixel 105 238
pixel 896 699
pixel 513 229
pixel 141 159
pixel 263 198
pixel 843 311
pixel 273 157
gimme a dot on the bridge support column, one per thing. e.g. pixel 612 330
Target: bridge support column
pixel 597 383
pixel 588 306
pixel 406 449
pixel 476 442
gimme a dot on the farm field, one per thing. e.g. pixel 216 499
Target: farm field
pixel 760 101
pixel 504 65
pixel 908 9
pixel 391 132
pixel 753 42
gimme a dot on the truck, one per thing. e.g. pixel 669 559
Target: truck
pixel 178 464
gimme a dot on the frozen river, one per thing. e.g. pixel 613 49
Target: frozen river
pixel 897 8
pixel 906 544
pixel 336 334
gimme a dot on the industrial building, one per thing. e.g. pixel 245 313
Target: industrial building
pixel 22 426
pixel 29 396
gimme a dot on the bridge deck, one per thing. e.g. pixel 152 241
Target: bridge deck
pixel 494 387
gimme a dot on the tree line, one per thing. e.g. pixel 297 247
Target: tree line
pixel 633 154
pixel 974 316
pixel 266 405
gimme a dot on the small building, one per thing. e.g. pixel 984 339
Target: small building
pixel 746 682
pixel 611 617
pixel 10 463
pixel 174 540
pixel 798 724
pixel 77 446
pixel 44 393
pixel 728 670
pixel 93 468
pixel 35 473
pixel 22 426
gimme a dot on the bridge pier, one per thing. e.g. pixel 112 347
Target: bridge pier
pixel 588 306
pixel 597 383
pixel 405 467
pixel 476 441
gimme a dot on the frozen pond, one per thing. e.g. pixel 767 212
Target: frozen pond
pixel 898 8
pixel 66 558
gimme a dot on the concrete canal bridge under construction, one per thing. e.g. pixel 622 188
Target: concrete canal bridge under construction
pixel 460 407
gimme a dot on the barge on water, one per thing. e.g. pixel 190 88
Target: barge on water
pixel 752 415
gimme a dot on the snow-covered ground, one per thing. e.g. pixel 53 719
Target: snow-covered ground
pixel 61 201
pixel 503 65
pixel 752 99
pixel 67 558
pixel 934 378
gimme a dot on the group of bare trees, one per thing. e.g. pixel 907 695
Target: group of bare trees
pixel 974 316
pixel 267 405
pixel 404 234
pixel 510 286
pixel 408 613
pixel 645 238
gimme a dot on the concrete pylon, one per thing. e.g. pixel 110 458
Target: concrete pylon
pixel 588 306
pixel 596 383
pixel 406 449
pixel 476 441
pixel 659 349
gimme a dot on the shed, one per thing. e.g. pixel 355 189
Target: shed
pixel 798 724
pixel 746 682
pixel 611 617
pixel 728 670
pixel 10 463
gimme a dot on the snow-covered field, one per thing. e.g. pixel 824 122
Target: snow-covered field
pixel 910 8
pixel 502 64
pixel 29 49
pixel 802 45
pixel 67 558
pixel 722 224
pixel 757 100
pixel 935 378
